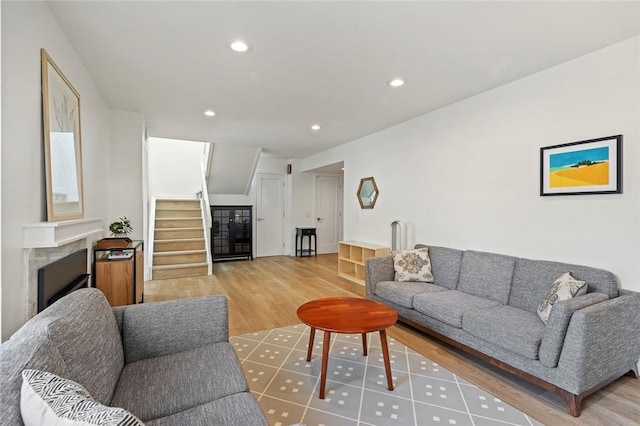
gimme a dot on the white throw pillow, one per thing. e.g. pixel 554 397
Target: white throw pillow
pixel 413 265
pixel 564 287
pixel 47 399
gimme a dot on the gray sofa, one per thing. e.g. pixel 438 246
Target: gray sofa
pixel 168 363
pixel 485 304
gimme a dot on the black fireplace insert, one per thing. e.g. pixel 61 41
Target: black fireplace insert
pixel 62 277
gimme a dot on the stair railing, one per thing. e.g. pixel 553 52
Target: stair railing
pixel 151 229
pixel 203 194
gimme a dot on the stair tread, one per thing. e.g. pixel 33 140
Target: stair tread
pixel 178 252
pixel 181 265
pixel 182 229
pixel 164 219
pixel 179 240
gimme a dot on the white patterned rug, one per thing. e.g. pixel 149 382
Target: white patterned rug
pixel 356 394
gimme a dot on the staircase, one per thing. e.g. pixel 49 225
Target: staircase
pixel 179 245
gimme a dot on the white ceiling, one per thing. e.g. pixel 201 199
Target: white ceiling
pixel 324 62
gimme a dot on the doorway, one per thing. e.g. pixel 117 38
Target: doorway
pixel 328 190
pixel 270 215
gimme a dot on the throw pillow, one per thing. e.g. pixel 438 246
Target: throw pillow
pixel 563 288
pixel 413 265
pixel 47 399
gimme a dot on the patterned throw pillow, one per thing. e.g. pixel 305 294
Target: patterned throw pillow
pixel 413 265
pixel 564 288
pixel 47 399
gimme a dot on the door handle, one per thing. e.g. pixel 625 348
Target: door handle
pixel 320 219
pixel 260 218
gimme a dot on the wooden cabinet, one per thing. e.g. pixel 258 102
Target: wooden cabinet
pixel 231 232
pixel 351 257
pixel 118 272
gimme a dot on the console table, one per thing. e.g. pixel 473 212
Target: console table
pixel 302 232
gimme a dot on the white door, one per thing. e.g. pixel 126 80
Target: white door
pixel 328 212
pixel 270 215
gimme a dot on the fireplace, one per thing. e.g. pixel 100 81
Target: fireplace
pixel 59 278
pixel 45 243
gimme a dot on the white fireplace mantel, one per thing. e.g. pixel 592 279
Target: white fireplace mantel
pixel 56 234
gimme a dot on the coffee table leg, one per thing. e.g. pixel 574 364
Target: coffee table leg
pixel 385 355
pixel 325 360
pixel 312 335
pixel 364 344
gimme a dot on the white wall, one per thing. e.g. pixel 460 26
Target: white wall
pixel 26 28
pixel 126 196
pixel 174 167
pixel 467 175
pixel 265 165
pixel 0 175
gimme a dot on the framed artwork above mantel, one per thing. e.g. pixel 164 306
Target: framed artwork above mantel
pixel 62 143
pixel 592 166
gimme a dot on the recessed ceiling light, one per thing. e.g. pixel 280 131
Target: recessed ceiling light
pixel 239 46
pixel 315 127
pixel 209 113
pixel 396 82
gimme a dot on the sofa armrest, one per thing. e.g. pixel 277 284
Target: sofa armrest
pixel 602 342
pixel 161 328
pixel 558 323
pixel 377 269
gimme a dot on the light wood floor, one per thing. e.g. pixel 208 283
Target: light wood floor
pixel 266 292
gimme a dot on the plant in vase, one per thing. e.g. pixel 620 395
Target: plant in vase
pixel 121 228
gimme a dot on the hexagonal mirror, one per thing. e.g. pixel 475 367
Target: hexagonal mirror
pixel 367 193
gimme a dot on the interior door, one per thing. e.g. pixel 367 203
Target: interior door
pixel 270 215
pixel 328 212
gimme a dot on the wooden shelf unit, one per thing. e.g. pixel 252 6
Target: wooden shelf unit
pixel 351 257
pixel 121 280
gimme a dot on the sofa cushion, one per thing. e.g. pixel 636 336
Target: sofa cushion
pixel 412 265
pixel 445 265
pixel 237 409
pixel 511 328
pixel 401 293
pixel 157 387
pixel 47 399
pixel 25 349
pixel 486 275
pixel 533 278
pixel 192 322
pixel 565 287
pixel 85 332
pixel 449 306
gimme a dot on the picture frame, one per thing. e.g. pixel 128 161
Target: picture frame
pixel 592 166
pixel 62 143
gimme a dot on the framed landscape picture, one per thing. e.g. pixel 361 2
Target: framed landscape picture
pixel 587 167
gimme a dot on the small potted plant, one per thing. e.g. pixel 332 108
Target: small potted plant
pixel 121 228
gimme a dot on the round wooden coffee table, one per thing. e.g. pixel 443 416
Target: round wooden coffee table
pixel 347 315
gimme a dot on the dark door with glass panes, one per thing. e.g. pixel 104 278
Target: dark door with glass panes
pixel 231 232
